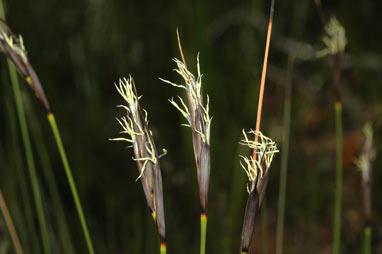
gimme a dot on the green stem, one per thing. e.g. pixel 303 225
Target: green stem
pixel 338 191
pixel 284 162
pixel 72 185
pixel 163 248
pixel 367 241
pixel 203 232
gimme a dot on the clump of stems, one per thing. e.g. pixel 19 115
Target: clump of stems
pixel 14 49
pixel 14 57
pixel 135 127
pixel 198 119
pixel 364 164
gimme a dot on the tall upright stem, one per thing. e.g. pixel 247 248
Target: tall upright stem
pixel 339 146
pixel 263 75
pixel 284 160
pixel 338 191
pixel 367 240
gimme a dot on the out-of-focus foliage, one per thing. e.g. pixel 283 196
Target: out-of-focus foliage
pixel 80 48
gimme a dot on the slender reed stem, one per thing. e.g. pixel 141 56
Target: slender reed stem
pixel 338 59
pixel 72 185
pixel 284 160
pixel 367 241
pixel 264 74
pixel 203 232
pixel 338 191
pixel 10 225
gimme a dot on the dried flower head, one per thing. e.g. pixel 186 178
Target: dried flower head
pixel 335 38
pixel 265 149
pixel 136 132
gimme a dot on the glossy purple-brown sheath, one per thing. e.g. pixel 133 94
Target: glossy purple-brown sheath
pixel 14 50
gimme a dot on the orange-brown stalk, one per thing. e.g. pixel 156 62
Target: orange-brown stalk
pixel 263 76
pixel 10 225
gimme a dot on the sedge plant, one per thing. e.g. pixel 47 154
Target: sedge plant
pixel 335 42
pixel 257 166
pixel 6 43
pixel 198 119
pixel 136 132
pixel 14 49
pixel 364 163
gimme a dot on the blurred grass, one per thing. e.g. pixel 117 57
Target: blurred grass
pixel 80 48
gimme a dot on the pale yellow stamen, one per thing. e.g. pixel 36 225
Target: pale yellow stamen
pixel 193 88
pixel 265 149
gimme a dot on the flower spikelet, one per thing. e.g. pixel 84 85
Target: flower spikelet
pixel 135 126
pixel 198 119
pixel 335 38
pixel 14 49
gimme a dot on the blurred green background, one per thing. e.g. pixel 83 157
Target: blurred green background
pixel 80 48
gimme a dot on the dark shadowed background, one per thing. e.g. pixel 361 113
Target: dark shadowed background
pixel 80 48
